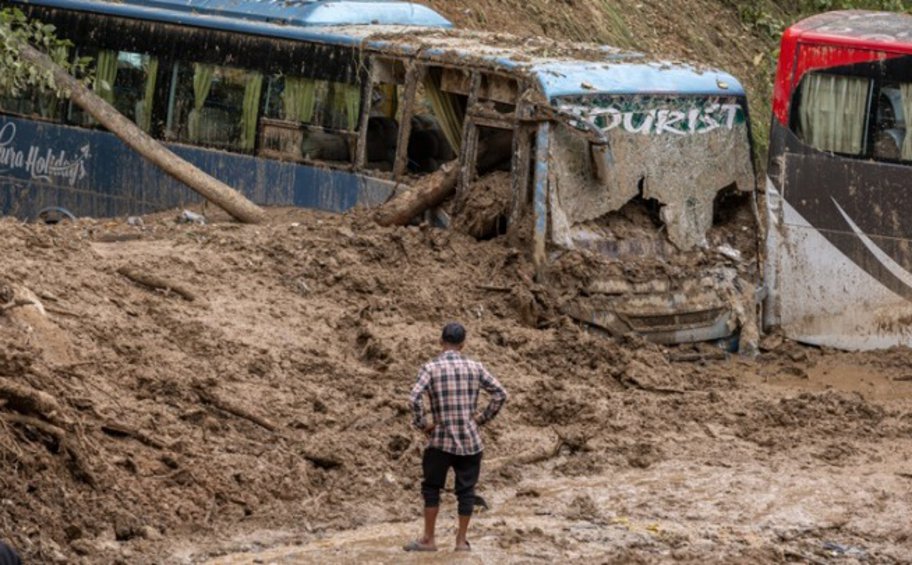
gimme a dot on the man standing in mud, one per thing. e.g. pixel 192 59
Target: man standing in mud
pixel 452 383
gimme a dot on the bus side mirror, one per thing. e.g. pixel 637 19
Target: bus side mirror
pixel 602 160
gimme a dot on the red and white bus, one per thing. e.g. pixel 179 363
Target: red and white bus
pixel 839 188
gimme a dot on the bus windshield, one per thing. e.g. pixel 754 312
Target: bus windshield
pixel 678 151
pixel 653 196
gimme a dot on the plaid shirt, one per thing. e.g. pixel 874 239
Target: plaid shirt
pixel 452 382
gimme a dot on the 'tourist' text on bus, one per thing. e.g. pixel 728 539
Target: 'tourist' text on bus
pixel 629 180
pixel 839 243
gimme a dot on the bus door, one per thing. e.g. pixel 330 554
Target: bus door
pixel 840 241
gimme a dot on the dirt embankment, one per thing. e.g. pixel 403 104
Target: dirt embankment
pixel 263 388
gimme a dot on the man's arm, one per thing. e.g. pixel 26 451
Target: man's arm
pixel 416 399
pixel 498 396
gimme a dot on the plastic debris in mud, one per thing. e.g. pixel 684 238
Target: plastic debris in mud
pixel 188 217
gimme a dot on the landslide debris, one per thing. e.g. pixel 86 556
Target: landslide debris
pixel 132 417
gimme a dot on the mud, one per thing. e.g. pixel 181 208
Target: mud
pixel 482 210
pixel 268 416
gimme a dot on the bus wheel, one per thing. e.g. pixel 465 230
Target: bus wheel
pixel 54 215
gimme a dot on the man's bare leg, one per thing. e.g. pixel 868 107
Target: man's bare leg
pixel 430 524
pixel 462 531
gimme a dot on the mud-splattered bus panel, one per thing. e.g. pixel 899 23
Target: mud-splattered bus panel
pixel 839 265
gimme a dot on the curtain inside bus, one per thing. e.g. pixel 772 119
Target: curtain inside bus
pixel 299 99
pixel 347 102
pixel 252 90
pixel 144 108
pixel 202 83
pixel 446 108
pixel 105 75
pixel 906 90
pixel 833 112
pixel 389 103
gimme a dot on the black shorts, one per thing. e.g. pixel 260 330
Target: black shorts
pixel 436 464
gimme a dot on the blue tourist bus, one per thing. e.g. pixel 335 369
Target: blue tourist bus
pixel 612 159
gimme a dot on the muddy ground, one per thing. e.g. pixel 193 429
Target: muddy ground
pixel 265 420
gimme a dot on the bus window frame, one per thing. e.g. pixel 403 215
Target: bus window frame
pixel 353 138
pixel 62 107
pixel 210 46
pixel 477 114
pixel 481 92
pixel 414 73
pixel 878 90
pixel 367 89
pixel 877 81
pixel 795 103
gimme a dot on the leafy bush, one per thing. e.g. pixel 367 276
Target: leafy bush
pixel 17 75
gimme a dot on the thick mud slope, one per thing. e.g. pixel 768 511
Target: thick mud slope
pixel 185 393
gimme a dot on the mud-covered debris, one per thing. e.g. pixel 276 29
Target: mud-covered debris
pixel 482 210
pixel 188 217
pixel 583 508
pixel 139 439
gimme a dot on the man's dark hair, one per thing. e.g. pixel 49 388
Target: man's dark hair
pixel 8 556
pixel 453 333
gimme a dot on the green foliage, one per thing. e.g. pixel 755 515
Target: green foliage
pixel 17 75
pixel 771 17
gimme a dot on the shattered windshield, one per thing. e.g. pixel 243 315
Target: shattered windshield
pixel 676 152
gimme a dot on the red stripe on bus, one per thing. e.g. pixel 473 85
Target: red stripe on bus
pixel 801 53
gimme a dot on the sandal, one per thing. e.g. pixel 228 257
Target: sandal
pixel 417 545
pixel 466 547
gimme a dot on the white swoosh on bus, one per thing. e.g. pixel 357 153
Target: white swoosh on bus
pixel 895 268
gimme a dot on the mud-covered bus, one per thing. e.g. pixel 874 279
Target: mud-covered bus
pixel 839 192
pixel 629 179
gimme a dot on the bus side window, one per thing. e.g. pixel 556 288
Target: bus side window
pixel 893 121
pixel 832 112
pixel 125 80
pixel 385 114
pixel 33 103
pixel 436 123
pixel 309 119
pixel 214 106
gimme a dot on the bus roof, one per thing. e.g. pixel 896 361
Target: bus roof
pixel 846 37
pixel 560 68
pixel 856 28
pixel 292 13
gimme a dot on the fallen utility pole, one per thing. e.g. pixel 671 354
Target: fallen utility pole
pixel 431 190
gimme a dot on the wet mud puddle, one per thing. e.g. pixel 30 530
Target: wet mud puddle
pixel 673 510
